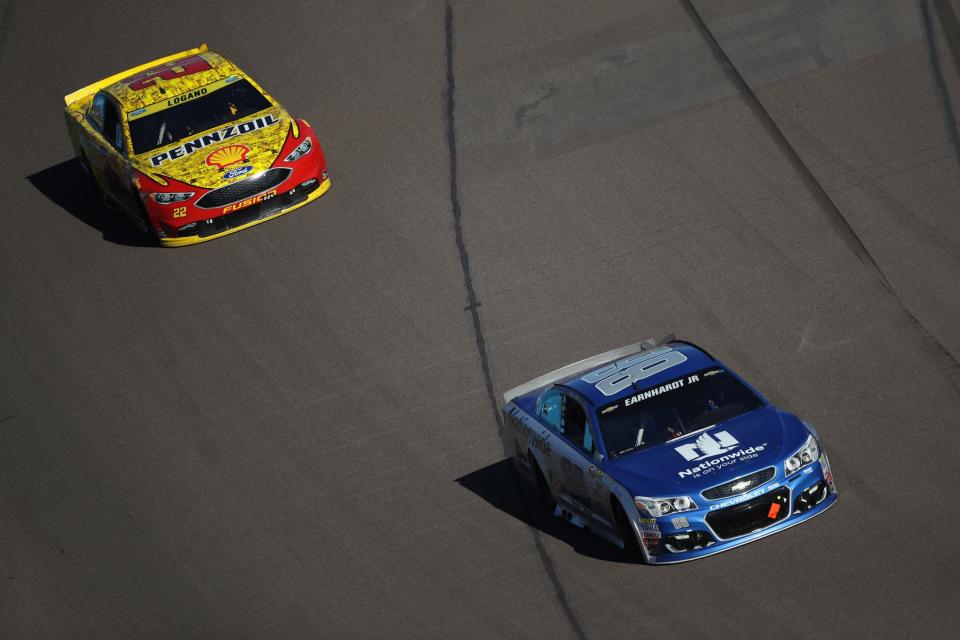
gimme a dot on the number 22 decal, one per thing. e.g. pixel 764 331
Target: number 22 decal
pixel 179 212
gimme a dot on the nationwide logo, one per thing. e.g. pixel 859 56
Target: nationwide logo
pixel 535 438
pixel 708 446
pixel 725 460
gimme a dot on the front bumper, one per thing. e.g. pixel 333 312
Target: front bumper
pixel 778 505
pixel 247 217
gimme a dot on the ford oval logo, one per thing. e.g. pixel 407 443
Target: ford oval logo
pixel 236 173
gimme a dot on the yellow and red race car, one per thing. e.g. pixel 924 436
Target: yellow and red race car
pixel 192 149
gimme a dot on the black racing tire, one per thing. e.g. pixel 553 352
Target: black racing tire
pixel 630 545
pixel 94 185
pixel 146 228
pixel 82 159
pixel 544 495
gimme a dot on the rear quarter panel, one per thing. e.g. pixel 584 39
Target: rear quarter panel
pixel 76 123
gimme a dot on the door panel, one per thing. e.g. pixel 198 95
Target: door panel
pixel 581 476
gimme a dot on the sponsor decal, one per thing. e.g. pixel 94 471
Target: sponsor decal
pixel 169 71
pixel 707 445
pixel 201 142
pixel 716 451
pixel 574 483
pixel 535 439
pixel 236 172
pixel 648 525
pixel 774 510
pixel 136 112
pixel 554 481
pixel 651 542
pixel 680 523
pixel 747 496
pixel 249 201
pixel 716 464
pixel 827 472
pixel 226 156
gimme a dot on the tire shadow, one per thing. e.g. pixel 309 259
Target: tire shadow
pixel 500 485
pixel 69 187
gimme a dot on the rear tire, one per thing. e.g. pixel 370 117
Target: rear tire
pixel 82 159
pixel 94 185
pixel 544 495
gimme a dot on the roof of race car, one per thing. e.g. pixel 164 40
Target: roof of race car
pixel 171 78
pixel 696 359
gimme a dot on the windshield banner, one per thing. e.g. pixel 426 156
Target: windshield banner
pixel 180 99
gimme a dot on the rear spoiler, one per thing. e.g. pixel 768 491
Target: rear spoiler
pixel 79 94
pixel 585 365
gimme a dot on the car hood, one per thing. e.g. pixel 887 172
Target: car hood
pixel 219 156
pixel 722 452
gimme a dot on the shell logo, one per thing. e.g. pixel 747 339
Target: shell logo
pixel 226 156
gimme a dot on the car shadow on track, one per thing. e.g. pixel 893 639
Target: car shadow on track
pixel 501 486
pixel 69 187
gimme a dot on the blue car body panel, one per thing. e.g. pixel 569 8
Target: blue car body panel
pixel 733 471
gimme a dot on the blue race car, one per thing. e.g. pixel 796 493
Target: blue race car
pixel 662 450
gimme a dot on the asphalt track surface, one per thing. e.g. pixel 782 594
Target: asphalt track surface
pixel 290 433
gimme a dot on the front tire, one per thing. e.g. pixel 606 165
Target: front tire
pixel 630 545
pixel 149 233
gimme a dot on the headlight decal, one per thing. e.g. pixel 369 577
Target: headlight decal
pixel 302 149
pixel 662 506
pixel 166 198
pixel 805 455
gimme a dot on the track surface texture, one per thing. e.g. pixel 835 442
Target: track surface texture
pixel 290 432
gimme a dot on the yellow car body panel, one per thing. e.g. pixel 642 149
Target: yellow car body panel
pixel 263 143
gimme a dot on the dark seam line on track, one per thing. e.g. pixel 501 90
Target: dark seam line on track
pixel 951 28
pixel 839 221
pixel 474 304
pixel 5 25
pixel 937 69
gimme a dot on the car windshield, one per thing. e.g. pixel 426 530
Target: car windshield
pixel 673 409
pixel 190 113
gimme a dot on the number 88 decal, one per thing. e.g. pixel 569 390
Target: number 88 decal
pixel 616 377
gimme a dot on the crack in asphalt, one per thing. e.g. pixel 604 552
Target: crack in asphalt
pixel 5 24
pixel 473 306
pixel 948 21
pixel 818 193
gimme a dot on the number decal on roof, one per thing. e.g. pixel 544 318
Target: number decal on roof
pixel 614 378
pixel 169 71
